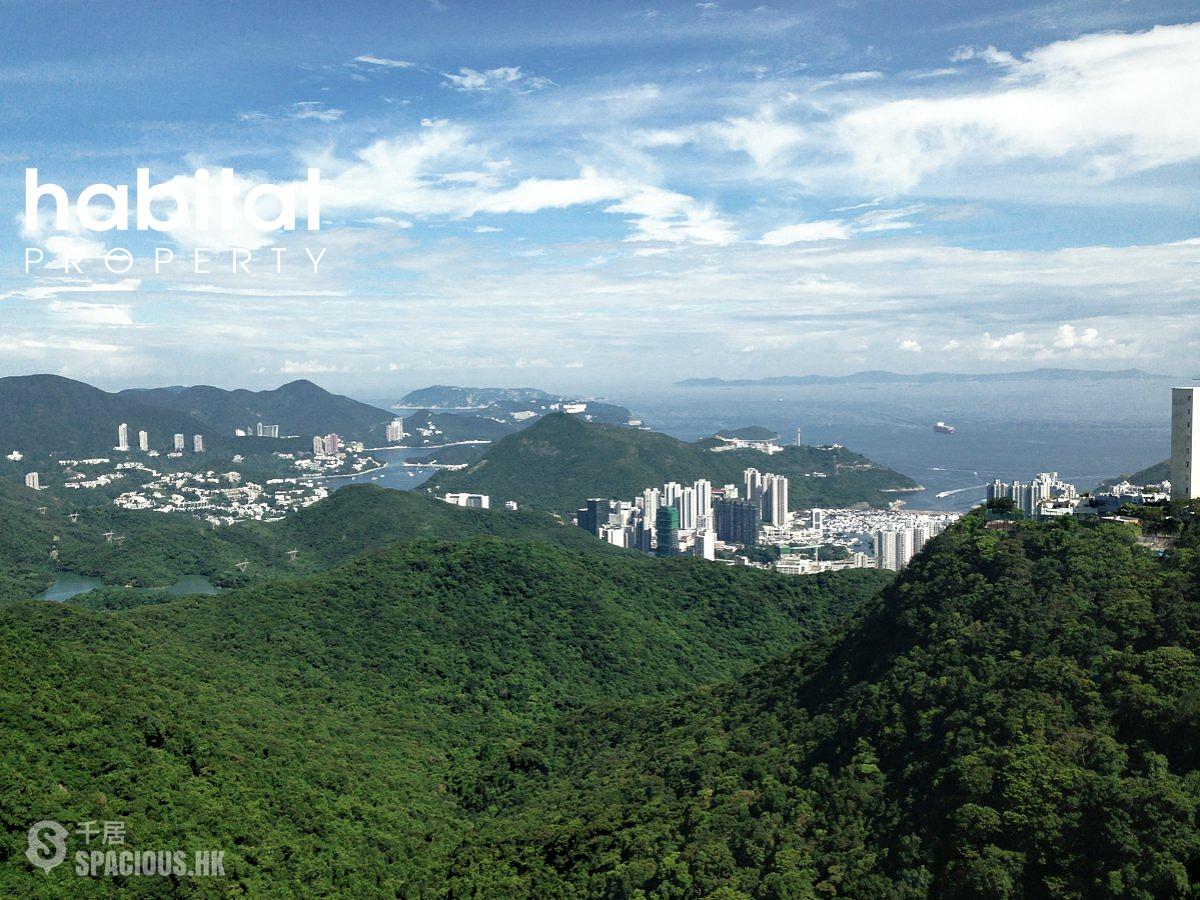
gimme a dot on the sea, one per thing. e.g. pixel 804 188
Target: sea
pixel 1085 431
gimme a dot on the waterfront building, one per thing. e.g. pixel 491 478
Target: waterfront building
pixel 1185 443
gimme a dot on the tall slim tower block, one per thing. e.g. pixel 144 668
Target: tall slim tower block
pixel 1185 443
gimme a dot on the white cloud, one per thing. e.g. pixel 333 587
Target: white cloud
pixel 909 346
pixel 663 215
pixel 383 62
pixel 870 75
pixel 295 112
pixel 92 313
pixel 1066 343
pixel 47 290
pixel 829 230
pixel 309 367
pixel 493 79
pixel 762 137
pixel 535 194
pixel 1105 104
pixel 988 54
pixel 887 219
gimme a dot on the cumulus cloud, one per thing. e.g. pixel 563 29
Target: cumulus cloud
pixel 663 215
pixel 1067 342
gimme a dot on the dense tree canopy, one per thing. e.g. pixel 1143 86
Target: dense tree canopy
pixel 1015 716
pixel 321 729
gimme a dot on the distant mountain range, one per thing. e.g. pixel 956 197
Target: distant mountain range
pixel 50 414
pixel 562 460
pixel 46 414
pixel 298 408
pixel 885 377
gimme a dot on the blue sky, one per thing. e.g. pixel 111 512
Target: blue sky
pixel 615 194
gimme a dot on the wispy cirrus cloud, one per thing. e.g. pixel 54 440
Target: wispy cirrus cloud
pixel 510 77
pixel 313 110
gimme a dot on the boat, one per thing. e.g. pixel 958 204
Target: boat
pixel 943 428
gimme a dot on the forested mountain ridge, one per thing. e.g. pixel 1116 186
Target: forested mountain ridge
pixel 560 461
pixel 1014 716
pixel 159 549
pixel 45 414
pixel 298 408
pixel 315 727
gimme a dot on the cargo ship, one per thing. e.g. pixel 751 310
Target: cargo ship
pixel 943 428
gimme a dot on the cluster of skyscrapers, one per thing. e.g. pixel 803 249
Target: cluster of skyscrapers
pixel 179 442
pixel 1028 496
pixel 679 518
pixel 895 547
pixel 327 445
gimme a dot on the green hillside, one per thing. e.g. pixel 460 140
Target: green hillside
pixel 317 729
pixel 298 408
pixel 560 461
pixel 1014 717
pixel 160 549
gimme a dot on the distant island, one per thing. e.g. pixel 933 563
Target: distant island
pixel 519 406
pixel 885 377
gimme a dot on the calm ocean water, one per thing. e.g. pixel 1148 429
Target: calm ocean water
pixel 1084 431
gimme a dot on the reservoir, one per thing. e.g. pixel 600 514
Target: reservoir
pixel 68 584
